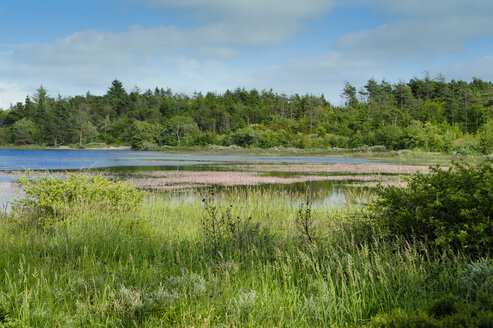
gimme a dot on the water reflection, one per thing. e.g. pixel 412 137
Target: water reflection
pixel 321 194
pixel 9 189
pixel 131 164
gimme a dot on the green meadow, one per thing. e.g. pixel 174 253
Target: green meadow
pixel 90 252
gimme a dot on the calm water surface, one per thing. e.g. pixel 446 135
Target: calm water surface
pixel 23 159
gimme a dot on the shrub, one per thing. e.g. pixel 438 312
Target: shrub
pixel 426 136
pixel 338 141
pixel 52 196
pixel 205 138
pixel 476 280
pixel 305 224
pixel 448 207
pixel 246 137
pixel 222 229
pixel 467 317
pixel 398 318
pixel 471 147
pixel 145 134
pixel 486 137
pixel 444 306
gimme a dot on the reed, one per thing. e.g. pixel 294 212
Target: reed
pixel 153 267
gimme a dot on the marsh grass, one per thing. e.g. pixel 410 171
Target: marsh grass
pixel 154 267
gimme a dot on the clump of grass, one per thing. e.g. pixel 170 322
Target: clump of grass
pixel 156 267
pixel 222 229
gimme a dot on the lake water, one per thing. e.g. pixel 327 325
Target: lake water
pixel 23 159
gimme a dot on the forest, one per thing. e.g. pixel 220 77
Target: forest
pixel 430 114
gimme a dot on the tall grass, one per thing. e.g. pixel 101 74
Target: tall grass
pixel 153 267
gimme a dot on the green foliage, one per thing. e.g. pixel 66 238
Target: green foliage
pixel 222 229
pixel 4 136
pixel 321 132
pixel 25 131
pixel 56 196
pixel 427 136
pixel 180 131
pixel 145 135
pixel 305 223
pixel 338 141
pixel 206 138
pixel 246 137
pixel 470 147
pixel 445 306
pixel 400 319
pixel 423 113
pixel 259 136
pixel 448 207
pixel 476 281
pixel 155 268
pixel 468 317
pixel 392 136
pixel 486 137
pixel 3 314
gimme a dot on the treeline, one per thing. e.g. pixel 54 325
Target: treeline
pixel 429 114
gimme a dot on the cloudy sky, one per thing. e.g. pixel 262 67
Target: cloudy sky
pixel 310 46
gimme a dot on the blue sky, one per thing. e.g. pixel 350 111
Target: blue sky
pixel 291 46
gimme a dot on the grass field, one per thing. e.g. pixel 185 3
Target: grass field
pixel 268 263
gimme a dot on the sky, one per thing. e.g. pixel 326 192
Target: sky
pixel 290 46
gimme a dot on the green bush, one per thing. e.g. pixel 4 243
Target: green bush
pixel 447 207
pixel 476 281
pixel 471 147
pixel 486 137
pixel 145 134
pixel 52 196
pixel 246 137
pixel 205 138
pixel 338 141
pixel 445 306
pixel 444 313
pixel 427 136
pixel 398 318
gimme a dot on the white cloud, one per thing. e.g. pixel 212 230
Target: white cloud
pixel 249 10
pixel 184 58
pixel 10 93
pixel 209 56
pixel 317 74
pixel 421 28
pixel 121 48
pixel 249 22
pixel 432 8
pixel 480 67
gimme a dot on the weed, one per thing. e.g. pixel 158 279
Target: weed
pixel 305 223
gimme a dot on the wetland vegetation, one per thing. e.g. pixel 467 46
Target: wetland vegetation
pixel 92 251
pixel 255 225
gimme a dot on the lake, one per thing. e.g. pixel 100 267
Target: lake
pixel 34 159
pixel 129 163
